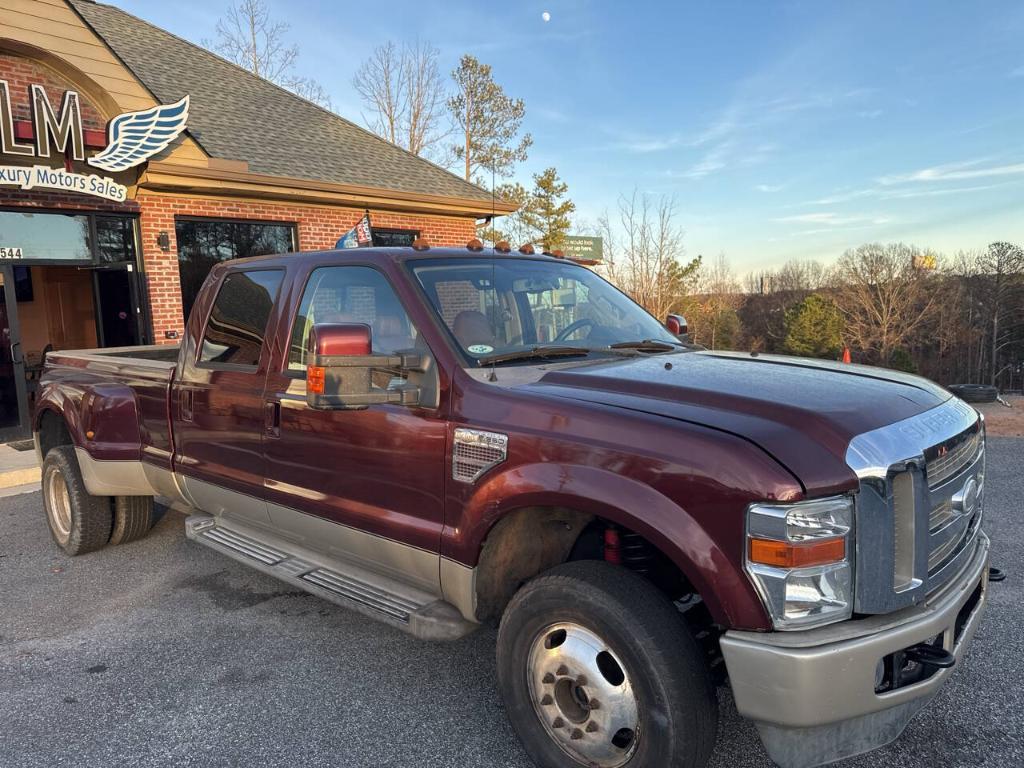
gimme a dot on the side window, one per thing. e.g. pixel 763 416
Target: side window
pixel 350 295
pixel 238 322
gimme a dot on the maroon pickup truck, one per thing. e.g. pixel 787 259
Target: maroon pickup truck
pixel 442 438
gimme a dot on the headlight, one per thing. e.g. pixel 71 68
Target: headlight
pixel 799 557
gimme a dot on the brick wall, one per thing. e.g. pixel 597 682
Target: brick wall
pixel 20 72
pixel 319 227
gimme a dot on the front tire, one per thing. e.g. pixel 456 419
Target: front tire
pixel 79 522
pixel 597 669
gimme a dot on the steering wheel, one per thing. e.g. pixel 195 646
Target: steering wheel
pixel 571 328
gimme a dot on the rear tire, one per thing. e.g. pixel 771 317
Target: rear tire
pixel 588 631
pixel 79 522
pixel 133 517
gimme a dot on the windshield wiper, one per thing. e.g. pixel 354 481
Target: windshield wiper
pixel 533 353
pixel 646 345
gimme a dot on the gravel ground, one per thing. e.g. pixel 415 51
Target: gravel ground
pixel 164 653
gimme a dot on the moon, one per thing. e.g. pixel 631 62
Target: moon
pixel 546 16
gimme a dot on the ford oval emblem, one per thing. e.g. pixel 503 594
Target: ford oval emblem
pixel 966 499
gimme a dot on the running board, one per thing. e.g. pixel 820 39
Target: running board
pixel 403 606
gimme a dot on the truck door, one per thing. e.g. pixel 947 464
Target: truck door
pixel 218 408
pixel 366 485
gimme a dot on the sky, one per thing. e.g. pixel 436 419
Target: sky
pixel 783 130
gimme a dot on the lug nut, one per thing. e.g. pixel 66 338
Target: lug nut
pixel 547 700
pixel 594 704
pixel 581 681
pixel 562 671
pixel 576 734
pixel 591 726
pixel 558 723
pixel 548 679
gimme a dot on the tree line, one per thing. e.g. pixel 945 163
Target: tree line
pixel 954 318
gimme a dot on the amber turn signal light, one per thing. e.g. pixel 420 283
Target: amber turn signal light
pixel 316 379
pixel 781 554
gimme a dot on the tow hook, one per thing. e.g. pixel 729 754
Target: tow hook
pixel 996 574
pixel 930 656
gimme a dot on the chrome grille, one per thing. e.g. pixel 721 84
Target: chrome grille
pixel 955 472
pixel 952 458
pixel 918 516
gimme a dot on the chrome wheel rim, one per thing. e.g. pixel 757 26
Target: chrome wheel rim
pixel 583 696
pixel 58 503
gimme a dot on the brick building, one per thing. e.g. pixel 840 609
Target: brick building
pixel 117 195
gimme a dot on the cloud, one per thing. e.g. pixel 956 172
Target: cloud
pixel 870 114
pixel 832 219
pixel 1018 72
pixel 770 187
pixel 968 169
pixel 713 160
pixel 550 114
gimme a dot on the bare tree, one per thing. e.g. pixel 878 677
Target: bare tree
pixel 250 38
pixel 643 253
pixel 1002 265
pixel 713 306
pixel 884 297
pixel 404 94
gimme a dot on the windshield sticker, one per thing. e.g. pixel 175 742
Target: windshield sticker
pixel 480 349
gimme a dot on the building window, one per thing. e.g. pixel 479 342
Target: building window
pixel 48 237
pixel 394 238
pixel 238 320
pixel 202 243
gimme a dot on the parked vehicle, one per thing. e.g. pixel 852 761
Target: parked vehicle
pixel 441 438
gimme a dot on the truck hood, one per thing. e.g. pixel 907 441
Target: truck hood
pixel 803 412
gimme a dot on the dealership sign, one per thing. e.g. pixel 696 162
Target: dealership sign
pixel 132 138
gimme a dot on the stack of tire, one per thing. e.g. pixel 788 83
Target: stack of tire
pixel 974 393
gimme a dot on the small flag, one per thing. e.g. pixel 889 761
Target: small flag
pixel 360 236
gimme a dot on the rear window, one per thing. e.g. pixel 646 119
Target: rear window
pixel 238 321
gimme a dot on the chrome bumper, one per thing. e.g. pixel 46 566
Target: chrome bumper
pixel 812 694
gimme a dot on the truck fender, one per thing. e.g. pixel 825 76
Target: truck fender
pixel 102 419
pixel 600 493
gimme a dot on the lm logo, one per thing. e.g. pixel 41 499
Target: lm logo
pixel 132 138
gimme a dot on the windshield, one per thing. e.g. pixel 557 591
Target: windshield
pixel 502 306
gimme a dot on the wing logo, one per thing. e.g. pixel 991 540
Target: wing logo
pixel 137 136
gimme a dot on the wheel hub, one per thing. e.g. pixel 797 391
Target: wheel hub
pixel 582 695
pixel 58 503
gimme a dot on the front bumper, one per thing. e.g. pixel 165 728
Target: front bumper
pixel 812 694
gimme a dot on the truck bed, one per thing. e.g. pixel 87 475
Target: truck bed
pixel 136 378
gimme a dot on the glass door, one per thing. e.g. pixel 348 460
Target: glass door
pixel 14 412
pixel 118 310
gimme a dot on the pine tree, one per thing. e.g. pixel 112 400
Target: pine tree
pixel 548 211
pixel 489 121
pixel 814 328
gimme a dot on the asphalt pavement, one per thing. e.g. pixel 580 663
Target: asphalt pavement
pixel 164 653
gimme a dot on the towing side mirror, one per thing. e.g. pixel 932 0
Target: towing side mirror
pixel 341 364
pixel 676 324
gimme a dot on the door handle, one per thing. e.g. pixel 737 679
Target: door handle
pixel 185 404
pixel 14 356
pixel 272 418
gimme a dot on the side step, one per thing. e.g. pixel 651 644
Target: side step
pixel 351 586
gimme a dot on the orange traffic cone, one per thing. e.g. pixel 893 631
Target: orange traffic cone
pixel 846 355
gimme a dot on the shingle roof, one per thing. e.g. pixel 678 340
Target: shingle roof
pixel 235 115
